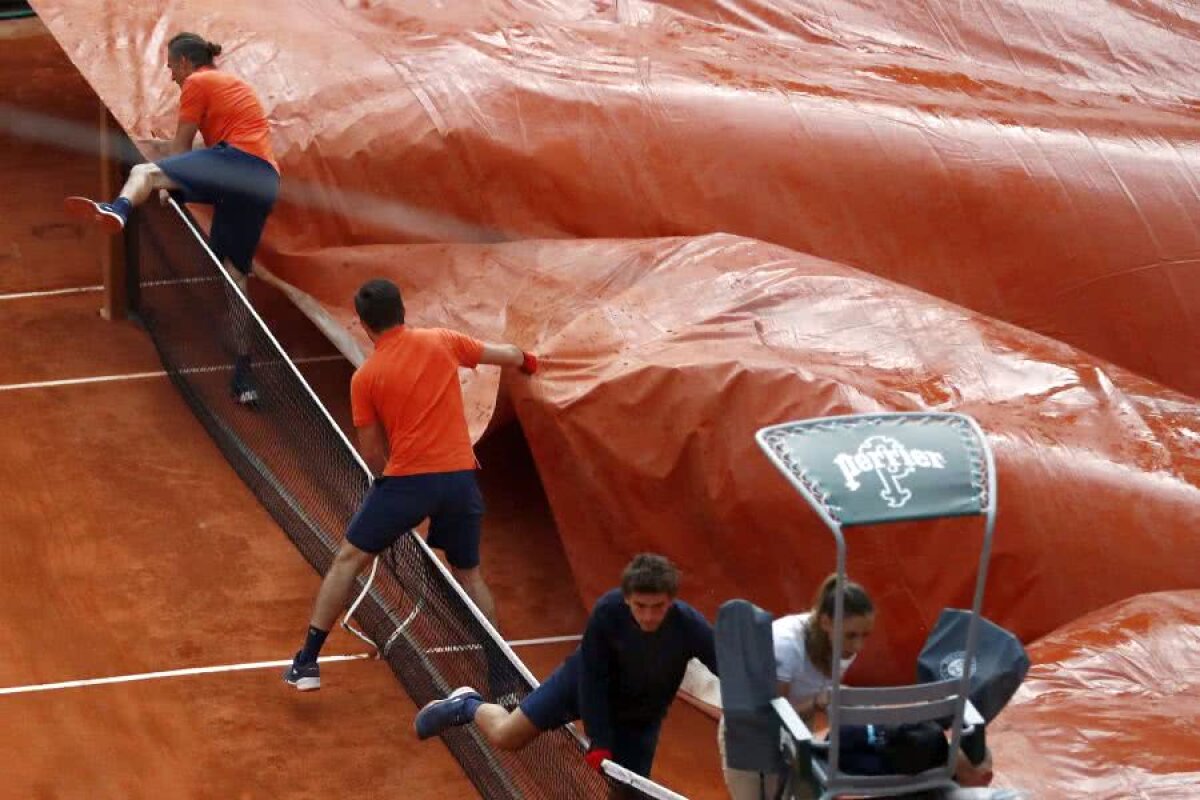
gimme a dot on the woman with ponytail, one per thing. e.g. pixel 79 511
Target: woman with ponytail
pixel 804 645
pixel 235 172
pixel 804 652
pixel 804 667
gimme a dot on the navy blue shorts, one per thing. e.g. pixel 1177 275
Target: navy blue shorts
pixel 240 187
pixel 393 506
pixel 556 703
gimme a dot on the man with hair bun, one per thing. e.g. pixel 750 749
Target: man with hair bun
pixel 235 172
pixel 620 681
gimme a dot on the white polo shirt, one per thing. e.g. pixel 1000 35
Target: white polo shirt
pixel 792 664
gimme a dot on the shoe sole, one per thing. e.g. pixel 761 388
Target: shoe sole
pixel 306 684
pixel 90 211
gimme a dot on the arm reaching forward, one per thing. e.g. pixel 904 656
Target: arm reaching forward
pixel 509 355
pixel 185 134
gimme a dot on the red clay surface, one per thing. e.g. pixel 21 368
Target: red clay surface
pixel 223 736
pixel 129 546
pixel 66 326
pixel 1027 165
pixel 40 250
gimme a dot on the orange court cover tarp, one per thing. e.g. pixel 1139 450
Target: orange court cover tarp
pixel 708 217
pixel 1033 161
pixel 1111 709
pixel 662 358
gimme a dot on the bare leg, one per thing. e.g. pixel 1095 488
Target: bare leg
pixel 506 730
pixel 477 589
pixel 240 278
pixel 744 784
pixel 238 328
pixel 335 588
pixel 144 179
pixel 973 775
pixel 237 320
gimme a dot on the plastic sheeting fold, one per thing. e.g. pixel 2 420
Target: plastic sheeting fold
pixel 663 357
pixel 1111 710
pixel 1035 162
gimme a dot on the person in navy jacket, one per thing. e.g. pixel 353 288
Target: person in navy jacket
pixel 620 681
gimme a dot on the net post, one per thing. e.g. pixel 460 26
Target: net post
pixel 133 283
pixel 112 252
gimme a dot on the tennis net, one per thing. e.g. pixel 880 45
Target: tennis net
pixel 300 465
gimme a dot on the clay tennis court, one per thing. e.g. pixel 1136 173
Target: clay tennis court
pixel 995 213
pixel 131 547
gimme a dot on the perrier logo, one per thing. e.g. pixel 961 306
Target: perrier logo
pixel 891 462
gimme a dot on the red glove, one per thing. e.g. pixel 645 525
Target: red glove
pixel 530 366
pixel 597 756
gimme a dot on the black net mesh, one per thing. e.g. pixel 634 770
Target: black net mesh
pixel 292 455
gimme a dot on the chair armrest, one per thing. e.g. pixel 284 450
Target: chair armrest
pixel 791 720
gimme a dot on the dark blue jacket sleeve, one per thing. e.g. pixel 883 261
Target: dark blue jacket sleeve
pixel 595 670
pixel 704 643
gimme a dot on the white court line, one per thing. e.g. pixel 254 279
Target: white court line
pixel 172 673
pixel 130 376
pixel 179 281
pixel 50 293
pixel 465 648
pixel 134 376
pixel 178 673
pixel 87 289
pixel 575 637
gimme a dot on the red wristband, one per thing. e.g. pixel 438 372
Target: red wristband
pixel 597 756
pixel 530 364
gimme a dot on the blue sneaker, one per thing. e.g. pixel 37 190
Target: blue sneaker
pixel 457 709
pixel 305 677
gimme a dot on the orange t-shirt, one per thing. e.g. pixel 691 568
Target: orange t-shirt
pixel 410 386
pixel 226 109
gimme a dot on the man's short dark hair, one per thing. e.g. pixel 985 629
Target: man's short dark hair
pixel 379 305
pixel 650 573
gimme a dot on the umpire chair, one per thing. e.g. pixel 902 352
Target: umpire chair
pixel 868 469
